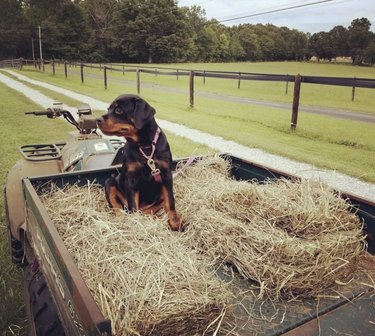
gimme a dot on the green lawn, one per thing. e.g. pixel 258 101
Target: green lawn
pixel 344 145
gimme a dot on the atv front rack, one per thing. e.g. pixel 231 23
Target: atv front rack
pixel 42 152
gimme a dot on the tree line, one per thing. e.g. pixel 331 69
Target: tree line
pixel 160 31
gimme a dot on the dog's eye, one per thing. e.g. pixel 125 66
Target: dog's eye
pixel 118 110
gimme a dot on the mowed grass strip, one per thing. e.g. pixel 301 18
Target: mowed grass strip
pixel 326 142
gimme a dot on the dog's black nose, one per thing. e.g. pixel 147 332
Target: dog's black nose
pixel 100 120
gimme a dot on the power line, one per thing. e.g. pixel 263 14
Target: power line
pixel 176 9
pixel 265 12
pixel 262 9
pixel 275 11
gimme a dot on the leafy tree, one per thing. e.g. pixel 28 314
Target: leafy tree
pixel 65 32
pixel 220 46
pixel 321 46
pixel 151 31
pixel 39 10
pixel 359 39
pixel 296 45
pixel 160 31
pixel 267 44
pixel 207 43
pixel 195 22
pixel 338 37
pixel 271 43
pixel 236 52
pixel 223 47
pixel 250 43
pixel 101 18
pixel 15 38
pixel 369 53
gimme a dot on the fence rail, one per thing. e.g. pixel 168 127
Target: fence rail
pixel 298 79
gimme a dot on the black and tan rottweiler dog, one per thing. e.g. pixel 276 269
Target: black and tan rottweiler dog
pixel 145 181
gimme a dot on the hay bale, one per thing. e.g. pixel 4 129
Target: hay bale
pixel 138 271
pixel 294 238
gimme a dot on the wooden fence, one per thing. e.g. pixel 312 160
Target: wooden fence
pixel 192 74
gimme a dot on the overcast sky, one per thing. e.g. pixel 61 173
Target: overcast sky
pixel 321 16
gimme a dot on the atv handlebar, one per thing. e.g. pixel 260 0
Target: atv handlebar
pixel 50 113
pixel 38 112
pixel 82 126
pixel 53 113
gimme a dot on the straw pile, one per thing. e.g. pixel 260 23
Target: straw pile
pixel 291 238
pixel 139 273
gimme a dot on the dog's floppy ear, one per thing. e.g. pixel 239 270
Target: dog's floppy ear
pixel 143 113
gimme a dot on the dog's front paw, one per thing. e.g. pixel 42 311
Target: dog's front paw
pixel 174 221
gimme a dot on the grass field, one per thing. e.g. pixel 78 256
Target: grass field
pixel 344 145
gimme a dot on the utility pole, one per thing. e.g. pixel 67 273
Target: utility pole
pixel 32 48
pixel 40 48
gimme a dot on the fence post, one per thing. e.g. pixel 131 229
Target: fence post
pixel 287 86
pixel 53 68
pixel 105 77
pixel 191 86
pixel 123 70
pixel 239 80
pixel 82 79
pixel 204 76
pixel 177 74
pixel 66 69
pixel 353 89
pixel 138 81
pixel 297 89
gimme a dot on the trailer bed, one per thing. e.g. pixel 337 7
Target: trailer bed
pixel 349 311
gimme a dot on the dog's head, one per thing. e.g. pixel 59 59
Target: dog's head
pixel 126 116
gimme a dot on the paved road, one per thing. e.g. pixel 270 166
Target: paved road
pixel 337 113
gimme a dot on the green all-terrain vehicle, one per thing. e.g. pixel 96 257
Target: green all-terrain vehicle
pixel 57 299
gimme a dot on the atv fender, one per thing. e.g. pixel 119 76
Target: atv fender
pixel 15 203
